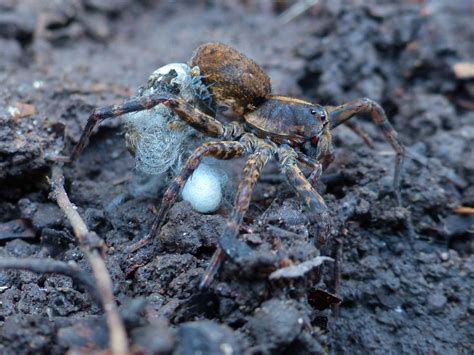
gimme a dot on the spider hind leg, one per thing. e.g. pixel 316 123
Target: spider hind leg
pixel 229 245
pixel 218 150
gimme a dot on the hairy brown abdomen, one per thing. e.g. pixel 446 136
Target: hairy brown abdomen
pixel 235 80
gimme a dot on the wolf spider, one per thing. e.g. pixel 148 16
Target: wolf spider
pixel 292 131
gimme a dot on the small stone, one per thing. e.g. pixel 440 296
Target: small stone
pixel 427 258
pixel 252 238
pixel 436 302
pixel 206 337
pixel 444 256
pixel 275 324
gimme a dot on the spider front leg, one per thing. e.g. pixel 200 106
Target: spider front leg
pixel 218 150
pixel 340 114
pixel 229 244
pixel 195 118
pixel 287 158
pixel 315 166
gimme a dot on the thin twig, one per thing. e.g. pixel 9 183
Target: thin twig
pixel 92 246
pixel 296 10
pixel 50 266
pixel 337 272
pixel 465 210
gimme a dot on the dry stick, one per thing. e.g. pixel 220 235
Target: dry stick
pixel 91 245
pixel 296 9
pixel 464 210
pixel 337 273
pixel 49 266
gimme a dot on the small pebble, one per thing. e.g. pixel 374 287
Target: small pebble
pixel 436 302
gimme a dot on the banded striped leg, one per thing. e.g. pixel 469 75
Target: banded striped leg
pixel 218 150
pixel 340 114
pixel 355 128
pixel 229 244
pixel 319 211
pixel 195 118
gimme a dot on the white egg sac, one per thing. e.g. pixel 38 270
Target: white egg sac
pixel 203 190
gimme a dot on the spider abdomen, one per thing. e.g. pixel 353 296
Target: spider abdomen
pixel 235 80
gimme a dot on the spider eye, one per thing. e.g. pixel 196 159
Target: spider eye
pixel 321 114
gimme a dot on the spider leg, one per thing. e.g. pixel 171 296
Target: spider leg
pixel 361 133
pixel 195 118
pixel 218 150
pixel 356 129
pixel 229 244
pixel 316 166
pixel 341 114
pixel 320 214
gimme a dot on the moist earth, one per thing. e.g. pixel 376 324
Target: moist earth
pixel 402 291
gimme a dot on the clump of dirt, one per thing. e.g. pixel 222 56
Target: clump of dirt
pixel 400 292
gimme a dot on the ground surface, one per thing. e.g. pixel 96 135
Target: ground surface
pixel 401 293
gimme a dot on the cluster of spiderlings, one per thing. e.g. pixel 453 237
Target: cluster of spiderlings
pixel 157 138
pixel 164 83
pixel 202 92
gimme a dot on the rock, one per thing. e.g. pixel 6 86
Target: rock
pixel 206 337
pixel 436 302
pixel 47 215
pixel 275 324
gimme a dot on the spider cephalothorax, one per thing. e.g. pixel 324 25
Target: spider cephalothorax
pixel 292 131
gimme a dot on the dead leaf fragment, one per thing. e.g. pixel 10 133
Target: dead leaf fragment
pixel 22 110
pixel 464 210
pixel 295 271
pixel 464 70
pixel 321 299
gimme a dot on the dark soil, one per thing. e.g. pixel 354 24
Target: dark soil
pixel 401 293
